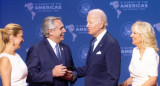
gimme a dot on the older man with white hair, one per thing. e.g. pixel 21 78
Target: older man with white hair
pixel 103 61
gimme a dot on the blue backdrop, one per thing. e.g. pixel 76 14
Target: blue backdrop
pixel 121 15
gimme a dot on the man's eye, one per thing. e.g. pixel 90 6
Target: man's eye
pixel 61 28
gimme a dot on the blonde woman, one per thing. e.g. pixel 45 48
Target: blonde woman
pixel 143 67
pixel 13 70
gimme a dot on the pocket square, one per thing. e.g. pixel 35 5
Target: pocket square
pixel 99 52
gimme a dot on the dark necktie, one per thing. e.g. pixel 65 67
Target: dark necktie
pixel 58 53
pixel 91 48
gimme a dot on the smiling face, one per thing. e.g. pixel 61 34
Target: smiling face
pixel 58 33
pixel 136 37
pixel 18 39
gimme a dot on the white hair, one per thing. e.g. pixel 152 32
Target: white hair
pixel 101 15
pixel 48 24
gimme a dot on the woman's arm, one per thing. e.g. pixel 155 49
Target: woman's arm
pixel 152 63
pixel 127 82
pixel 152 81
pixel 5 71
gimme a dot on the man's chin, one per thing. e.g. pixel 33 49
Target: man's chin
pixel 62 39
pixel 89 33
pixel 18 47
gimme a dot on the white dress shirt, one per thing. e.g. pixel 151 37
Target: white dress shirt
pixel 53 45
pixel 99 37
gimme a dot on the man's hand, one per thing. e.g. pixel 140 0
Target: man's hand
pixel 59 71
pixel 68 76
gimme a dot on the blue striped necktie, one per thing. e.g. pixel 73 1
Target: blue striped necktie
pixel 58 53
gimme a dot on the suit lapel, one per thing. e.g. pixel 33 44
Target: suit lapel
pixel 51 51
pixel 97 49
pixel 88 54
pixel 99 46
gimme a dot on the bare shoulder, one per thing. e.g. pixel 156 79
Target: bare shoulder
pixel 4 61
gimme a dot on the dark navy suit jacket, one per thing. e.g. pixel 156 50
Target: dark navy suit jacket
pixel 41 59
pixel 103 67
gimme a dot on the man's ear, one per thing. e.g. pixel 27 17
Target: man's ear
pixel 101 24
pixel 50 31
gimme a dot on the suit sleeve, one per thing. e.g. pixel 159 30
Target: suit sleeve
pixel 35 74
pixel 113 60
pixel 80 71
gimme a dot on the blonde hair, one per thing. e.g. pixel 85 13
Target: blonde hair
pixel 10 29
pixel 147 33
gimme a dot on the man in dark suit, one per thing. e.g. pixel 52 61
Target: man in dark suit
pixel 104 57
pixel 48 59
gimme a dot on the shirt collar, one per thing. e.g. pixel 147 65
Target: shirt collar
pixel 52 43
pixel 99 37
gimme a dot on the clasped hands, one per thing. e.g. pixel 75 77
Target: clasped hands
pixel 62 72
